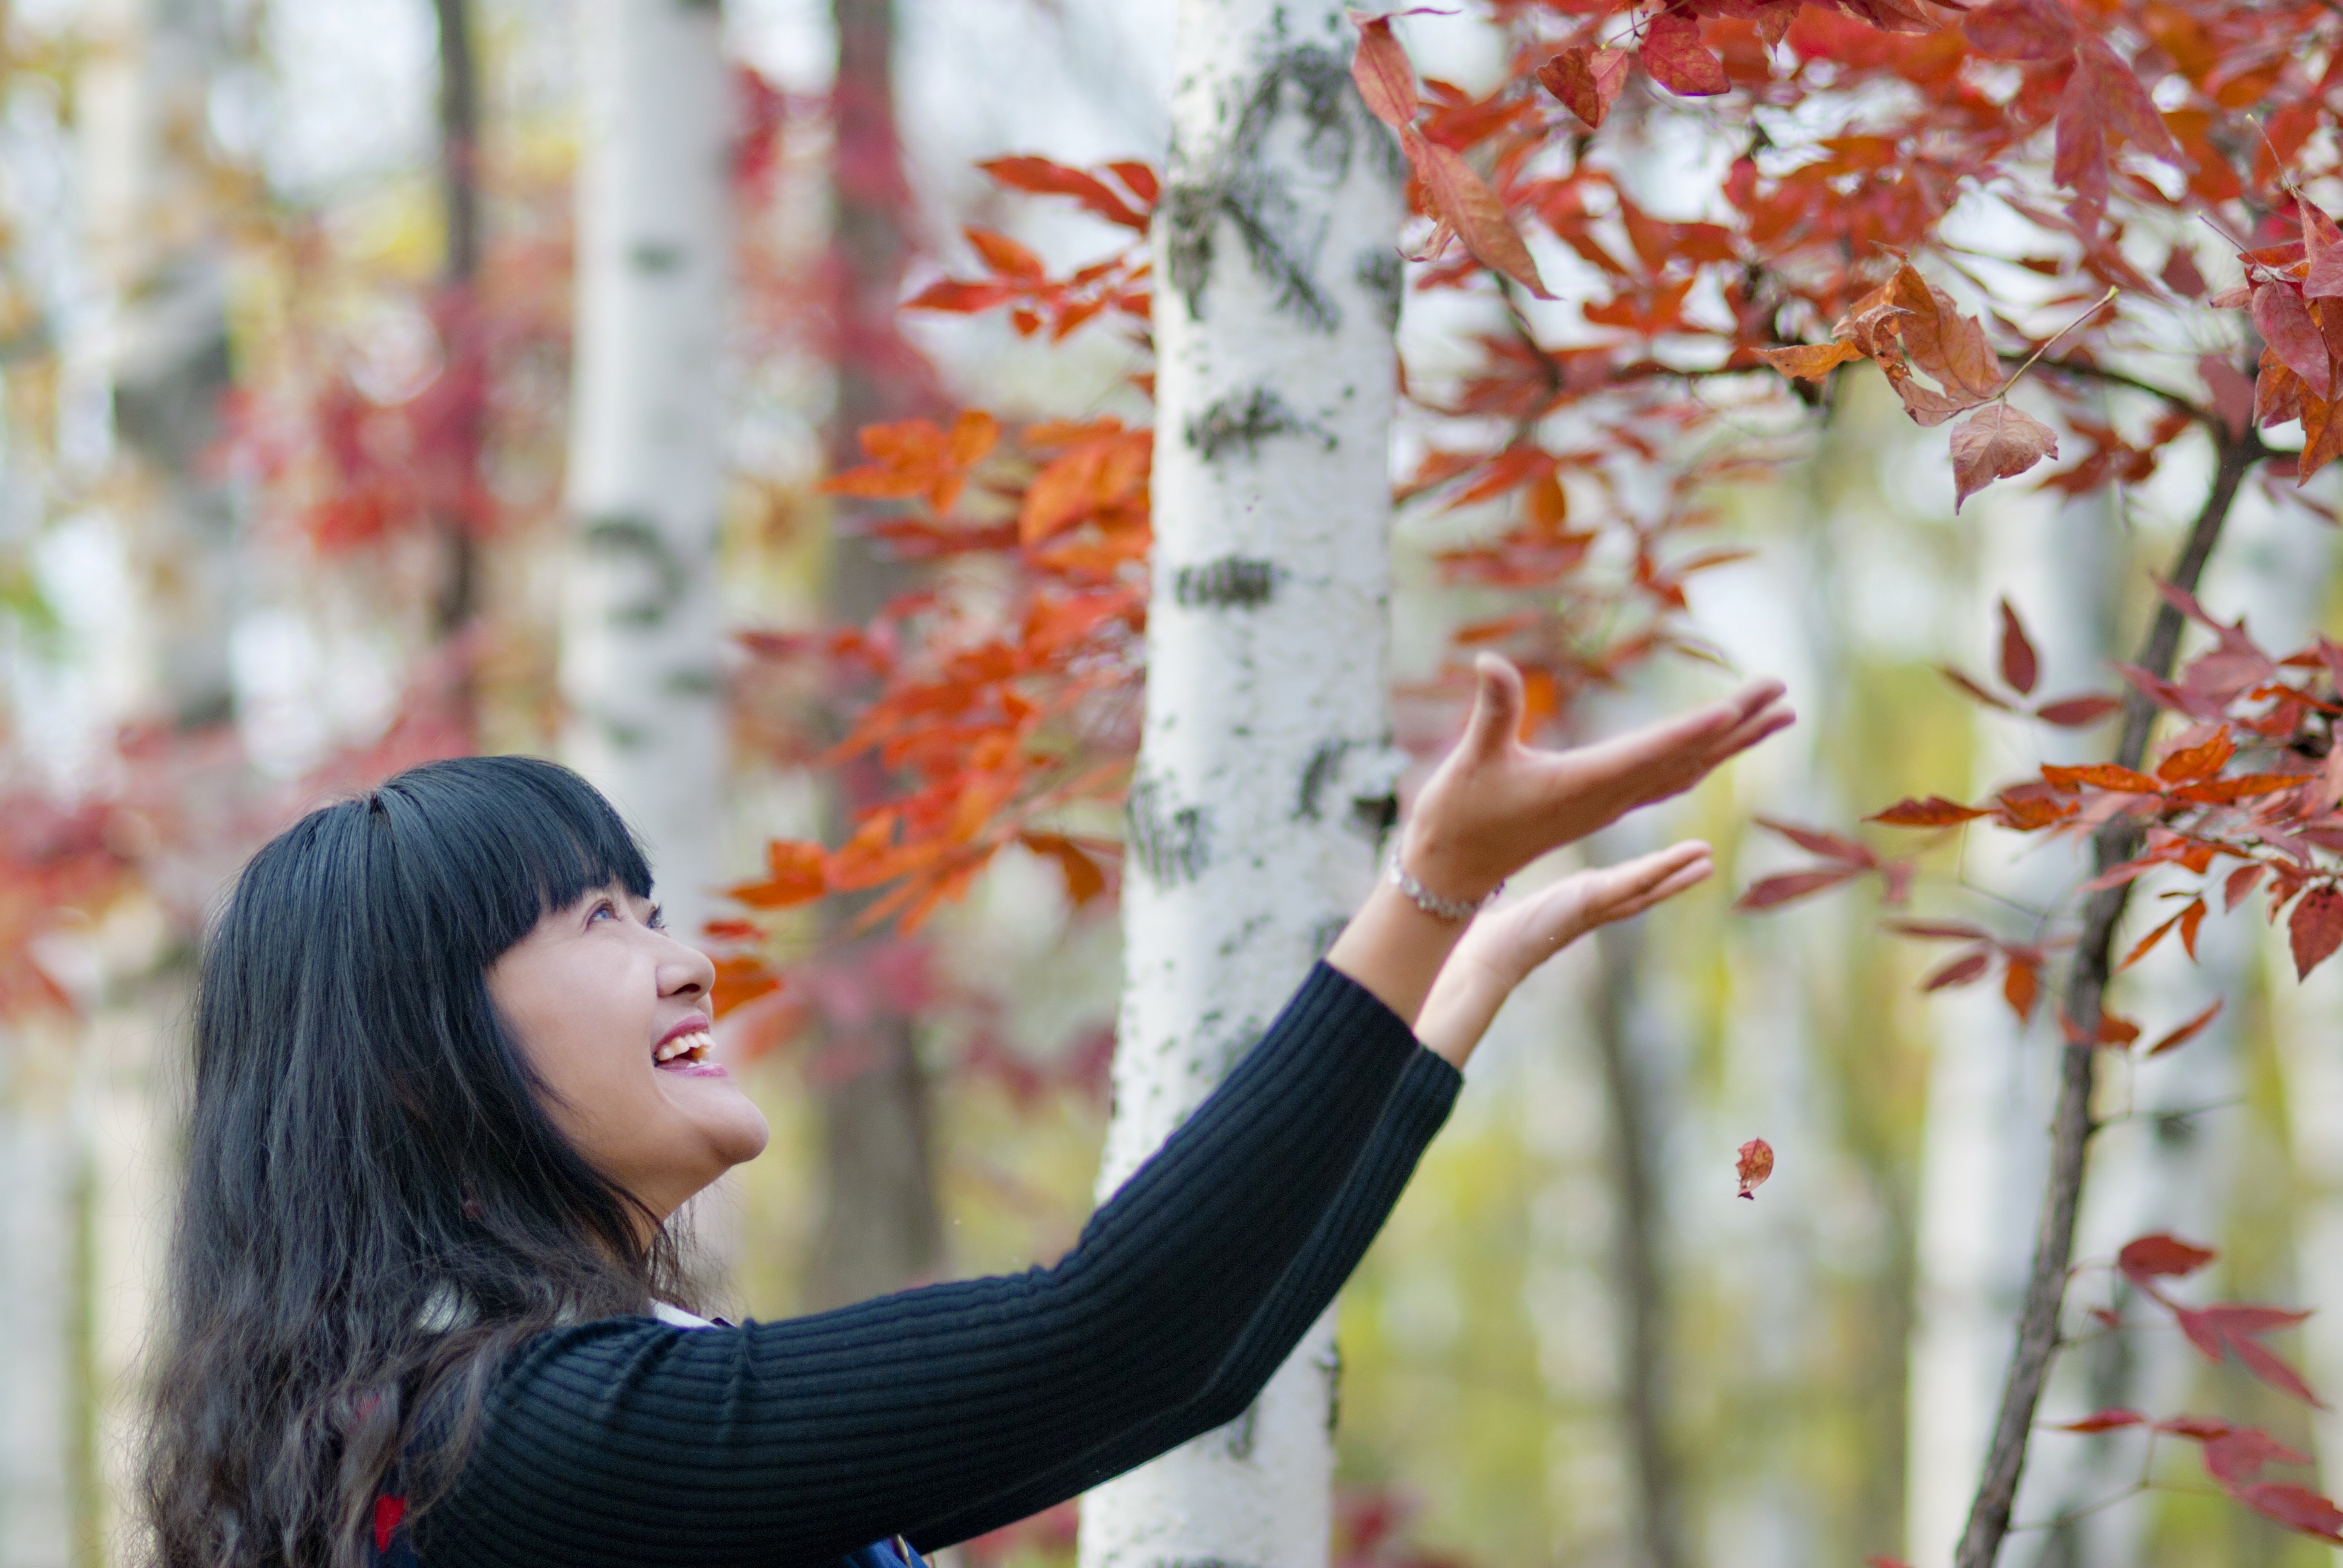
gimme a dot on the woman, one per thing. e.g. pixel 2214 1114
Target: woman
pixel 452 1081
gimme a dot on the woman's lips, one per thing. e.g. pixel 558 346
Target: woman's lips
pixel 688 1048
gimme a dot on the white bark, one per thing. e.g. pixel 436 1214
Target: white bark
pixel 1986 1140
pixel 640 628
pixel 1266 774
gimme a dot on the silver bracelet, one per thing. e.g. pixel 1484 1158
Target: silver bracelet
pixel 1457 911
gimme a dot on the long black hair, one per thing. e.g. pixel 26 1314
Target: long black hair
pixel 377 1205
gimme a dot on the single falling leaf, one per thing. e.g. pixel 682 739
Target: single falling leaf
pixel 1810 361
pixel 2020 667
pixel 1935 811
pixel 1678 60
pixel 2187 1031
pixel 2161 1257
pixel 1754 1165
pixel 2021 986
pixel 2314 929
pixel 1994 443
pixel 1587 80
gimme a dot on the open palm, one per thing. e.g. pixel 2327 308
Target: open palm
pixel 1495 804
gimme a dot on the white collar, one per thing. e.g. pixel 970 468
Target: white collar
pixel 676 1317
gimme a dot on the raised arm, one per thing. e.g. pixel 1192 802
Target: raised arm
pixel 785 1443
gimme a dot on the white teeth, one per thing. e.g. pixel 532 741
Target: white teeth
pixel 683 1044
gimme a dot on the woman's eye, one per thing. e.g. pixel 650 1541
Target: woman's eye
pixel 657 921
pixel 601 909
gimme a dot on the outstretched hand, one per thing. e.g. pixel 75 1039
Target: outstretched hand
pixel 1496 804
pixel 1501 948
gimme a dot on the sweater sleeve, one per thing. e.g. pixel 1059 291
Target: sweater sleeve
pixel 1418 1109
pixel 788 1444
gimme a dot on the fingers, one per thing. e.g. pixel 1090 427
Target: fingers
pixel 1497 702
pixel 1633 886
pixel 1690 875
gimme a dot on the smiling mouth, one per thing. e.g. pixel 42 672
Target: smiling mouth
pixel 681 1051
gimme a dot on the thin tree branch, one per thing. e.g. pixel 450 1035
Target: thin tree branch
pixel 2087 982
pixel 2084 370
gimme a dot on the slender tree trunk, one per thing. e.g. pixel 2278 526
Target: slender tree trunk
pixel 2071 1124
pixel 881 1228
pixel 1265 779
pixel 1633 1142
pixel 1990 1082
pixel 641 624
pixel 457 599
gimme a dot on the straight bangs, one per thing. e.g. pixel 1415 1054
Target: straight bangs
pixel 510 841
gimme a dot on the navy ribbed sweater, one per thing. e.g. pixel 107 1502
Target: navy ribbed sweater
pixel 942 1413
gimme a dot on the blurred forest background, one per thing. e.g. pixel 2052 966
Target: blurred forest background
pixel 289 457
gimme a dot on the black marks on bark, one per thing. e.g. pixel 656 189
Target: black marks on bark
pixel 1375 816
pixel 1324 766
pixel 1245 422
pixel 1233 582
pixel 1281 239
pixel 1331 1365
pixel 1379 272
pixel 1372 817
pixel 1174 843
pixel 624 539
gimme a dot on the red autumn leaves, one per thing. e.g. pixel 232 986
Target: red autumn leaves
pixel 2248 795
pixel 2295 292
pixel 2234 1456
pixel 1464 206
pixel 1906 325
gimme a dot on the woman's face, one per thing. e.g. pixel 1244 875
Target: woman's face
pixel 613 1015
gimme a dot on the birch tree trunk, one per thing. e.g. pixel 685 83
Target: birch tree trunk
pixel 641 626
pixel 1266 774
